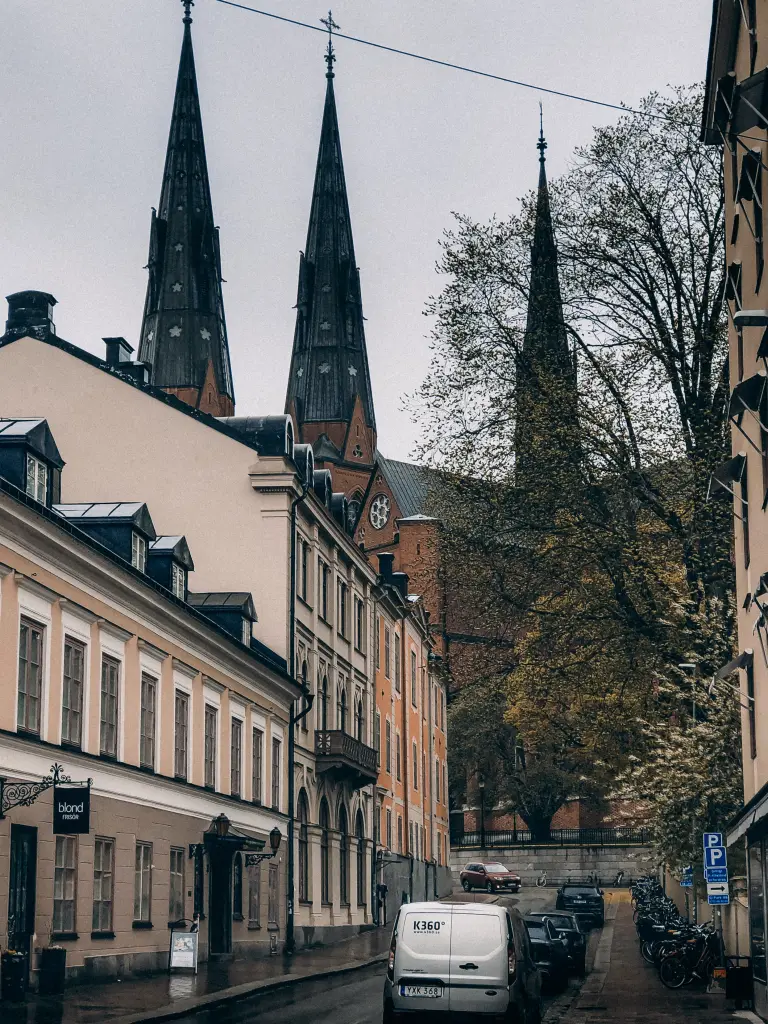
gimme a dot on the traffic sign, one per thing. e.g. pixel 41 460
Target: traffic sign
pixel 715 857
pixel 715 900
pixel 713 888
pixel 712 839
pixel 687 881
pixel 716 874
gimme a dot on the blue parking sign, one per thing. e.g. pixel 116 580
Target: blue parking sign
pixel 715 857
pixel 712 839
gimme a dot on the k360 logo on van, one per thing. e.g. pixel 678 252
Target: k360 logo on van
pixel 427 926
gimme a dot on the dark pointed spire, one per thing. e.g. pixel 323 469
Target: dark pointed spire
pixel 329 367
pixel 546 373
pixel 184 333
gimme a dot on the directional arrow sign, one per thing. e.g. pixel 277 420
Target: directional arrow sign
pixel 716 874
pixel 715 857
pixel 713 888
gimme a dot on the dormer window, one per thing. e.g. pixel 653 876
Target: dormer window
pixel 37 479
pixel 178 581
pixel 247 632
pixel 138 552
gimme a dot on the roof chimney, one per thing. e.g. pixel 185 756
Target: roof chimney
pixel 118 351
pixel 400 580
pixel 30 313
pixel 386 563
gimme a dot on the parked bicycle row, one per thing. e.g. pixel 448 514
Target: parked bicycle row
pixel 682 952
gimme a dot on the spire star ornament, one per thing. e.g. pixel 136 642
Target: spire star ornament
pixel 205 334
pixel 175 332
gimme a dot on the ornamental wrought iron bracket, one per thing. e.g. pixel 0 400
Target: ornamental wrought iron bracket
pixel 24 794
pixel 252 860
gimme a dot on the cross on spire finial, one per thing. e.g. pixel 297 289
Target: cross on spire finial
pixel 330 56
pixel 188 5
pixel 541 145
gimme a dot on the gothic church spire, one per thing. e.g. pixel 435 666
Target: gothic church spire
pixel 546 369
pixel 329 384
pixel 184 333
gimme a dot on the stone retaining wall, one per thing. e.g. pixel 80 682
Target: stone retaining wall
pixel 562 862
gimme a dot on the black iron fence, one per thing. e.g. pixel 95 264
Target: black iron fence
pixel 621 836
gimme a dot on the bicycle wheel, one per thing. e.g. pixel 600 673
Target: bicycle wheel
pixel 646 950
pixel 672 972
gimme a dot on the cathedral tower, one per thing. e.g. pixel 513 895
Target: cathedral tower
pixel 184 333
pixel 329 388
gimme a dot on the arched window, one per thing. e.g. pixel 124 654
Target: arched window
pixel 324 703
pixel 237 888
pixel 325 840
pixel 342 708
pixel 303 816
pixel 360 722
pixel 360 833
pixel 343 855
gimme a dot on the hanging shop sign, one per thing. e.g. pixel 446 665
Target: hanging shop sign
pixel 71 810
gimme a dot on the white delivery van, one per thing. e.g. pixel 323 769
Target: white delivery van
pixel 463 959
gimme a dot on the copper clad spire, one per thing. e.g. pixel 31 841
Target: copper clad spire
pixel 184 333
pixel 329 366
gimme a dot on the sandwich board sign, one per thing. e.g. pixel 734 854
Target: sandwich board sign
pixel 183 951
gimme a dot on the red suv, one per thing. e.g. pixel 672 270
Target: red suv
pixel 490 877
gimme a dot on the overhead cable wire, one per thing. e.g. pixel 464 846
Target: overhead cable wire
pixel 449 64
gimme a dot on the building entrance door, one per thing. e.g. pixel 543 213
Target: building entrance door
pixel 220 902
pixel 21 888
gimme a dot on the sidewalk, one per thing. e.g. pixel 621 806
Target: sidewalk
pixel 623 989
pixel 159 997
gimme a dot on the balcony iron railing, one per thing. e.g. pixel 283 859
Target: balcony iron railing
pixel 337 749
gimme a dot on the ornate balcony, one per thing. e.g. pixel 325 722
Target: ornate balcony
pixel 345 757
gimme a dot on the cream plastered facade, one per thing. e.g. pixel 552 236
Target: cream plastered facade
pixel 234 509
pixel 72 592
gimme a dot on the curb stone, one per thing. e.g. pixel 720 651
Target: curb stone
pixel 184 1007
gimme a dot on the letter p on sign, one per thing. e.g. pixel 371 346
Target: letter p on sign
pixel 712 839
pixel 714 857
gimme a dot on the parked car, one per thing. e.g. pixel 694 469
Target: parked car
pixel 585 901
pixel 550 951
pixel 461 958
pixel 490 877
pixel 568 928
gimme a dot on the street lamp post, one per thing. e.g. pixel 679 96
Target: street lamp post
pixel 481 787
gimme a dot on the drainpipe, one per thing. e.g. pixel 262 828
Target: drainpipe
pixel 295 718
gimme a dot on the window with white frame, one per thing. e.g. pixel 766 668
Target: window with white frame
pixel 138 552
pixel 388 745
pixel 397 662
pixel 178 581
pixel 37 479
pixel 275 773
pixel 389 829
pixel 30 683
pixel 110 689
pixel 414 693
pixel 236 757
pixel 387 652
pixel 65 884
pixel 209 757
pixel 247 632
pixel 142 884
pixel 103 884
pixel 415 766
pixel 72 692
pixel 343 609
pixel 147 741
pixel 181 735
pixel 377 641
pixel 377 737
pixel 176 886
pixel 258 766
pixel 359 624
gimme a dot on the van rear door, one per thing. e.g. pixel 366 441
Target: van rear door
pixel 478 963
pixel 422 958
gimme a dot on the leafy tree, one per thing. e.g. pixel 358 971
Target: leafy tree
pixel 609 567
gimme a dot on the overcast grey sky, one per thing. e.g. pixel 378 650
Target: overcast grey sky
pixel 85 101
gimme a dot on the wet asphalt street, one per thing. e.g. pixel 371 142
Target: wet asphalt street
pixel 350 1001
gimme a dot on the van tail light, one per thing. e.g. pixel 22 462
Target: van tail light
pixel 391 960
pixel 511 965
